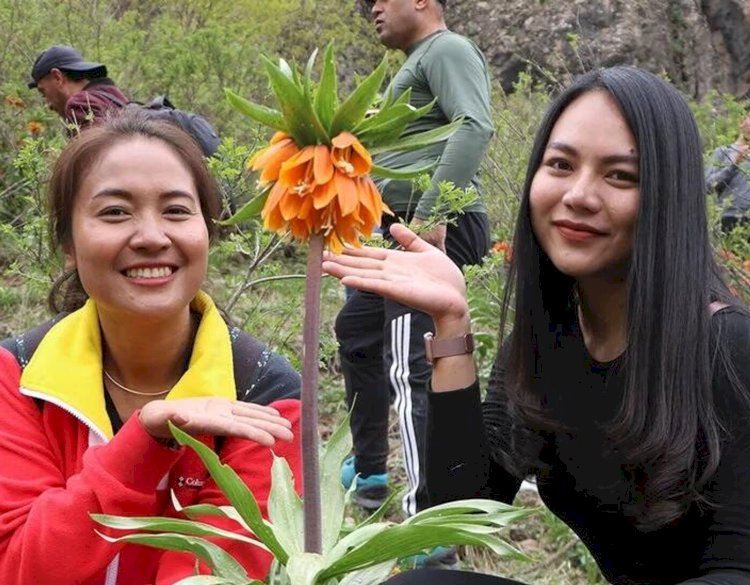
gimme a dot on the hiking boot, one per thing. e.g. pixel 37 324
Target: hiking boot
pixel 371 491
pixel 440 557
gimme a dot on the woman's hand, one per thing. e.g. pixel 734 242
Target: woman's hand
pixel 419 276
pixel 216 416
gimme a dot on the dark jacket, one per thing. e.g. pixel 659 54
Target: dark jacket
pixel 731 181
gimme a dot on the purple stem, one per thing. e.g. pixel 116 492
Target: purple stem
pixel 310 365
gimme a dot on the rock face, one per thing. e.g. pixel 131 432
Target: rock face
pixel 698 44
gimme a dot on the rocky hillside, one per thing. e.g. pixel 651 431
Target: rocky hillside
pixel 699 44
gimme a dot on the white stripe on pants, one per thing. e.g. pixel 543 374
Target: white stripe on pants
pixel 399 377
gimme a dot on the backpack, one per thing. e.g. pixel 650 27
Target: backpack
pixel 160 108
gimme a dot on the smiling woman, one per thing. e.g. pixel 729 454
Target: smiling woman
pixel 624 386
pixel 88 396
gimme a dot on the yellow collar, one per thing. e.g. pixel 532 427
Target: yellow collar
pixel 66 368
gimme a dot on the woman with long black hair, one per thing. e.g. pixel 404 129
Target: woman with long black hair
pixel 624 385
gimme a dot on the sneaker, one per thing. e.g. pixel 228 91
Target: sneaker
pixel 371 491
pixel 440 557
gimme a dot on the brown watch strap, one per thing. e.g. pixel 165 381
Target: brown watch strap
pixel 443 347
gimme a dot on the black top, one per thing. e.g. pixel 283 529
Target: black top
pixel 582 480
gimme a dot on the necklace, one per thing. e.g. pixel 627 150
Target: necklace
pixel 130 390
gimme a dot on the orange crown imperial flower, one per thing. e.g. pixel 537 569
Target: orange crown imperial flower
pixel 322 190
pixel 316 172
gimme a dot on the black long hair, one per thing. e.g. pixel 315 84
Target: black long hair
pixel 666 427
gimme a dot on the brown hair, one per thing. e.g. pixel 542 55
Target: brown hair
pixel 79 157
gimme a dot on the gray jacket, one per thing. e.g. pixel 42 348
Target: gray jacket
pixel 730 181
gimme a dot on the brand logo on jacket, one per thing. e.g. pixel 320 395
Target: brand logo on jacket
pixel 190 482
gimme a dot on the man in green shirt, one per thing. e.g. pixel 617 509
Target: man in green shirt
pixel 381 342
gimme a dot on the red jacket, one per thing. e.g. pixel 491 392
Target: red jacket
pixel 89 106
pixel 57 467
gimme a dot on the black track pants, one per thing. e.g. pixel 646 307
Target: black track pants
pixel 382 355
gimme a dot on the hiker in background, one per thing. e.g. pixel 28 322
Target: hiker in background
pixel 729 177
pixel 86 397
pixel 76 89
pixel 82 94
pixel 624 385
pixel 382 353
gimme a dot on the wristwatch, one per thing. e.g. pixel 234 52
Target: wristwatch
pixel 436 348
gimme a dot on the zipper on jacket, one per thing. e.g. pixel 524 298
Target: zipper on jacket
pixel 71 411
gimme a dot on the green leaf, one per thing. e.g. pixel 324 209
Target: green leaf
pixel 405 174
pixel 379 514
pixel 285 507
pixel 404 98
pixel 406 540
pixel 219 560
pixel 398 114
pixel 326 96
pixel 303 568
pixel 194 512
pixel 261 114
pixel 287 71
pixel 479 507
pixel 354 108
pixel 356 538
pixel 175 525
pixel 416 141
pixel 307 80
pixel 370 576
pixel 301 119
pixel 236 492
pixel 251 209
pixel 331 491
pixel 391 127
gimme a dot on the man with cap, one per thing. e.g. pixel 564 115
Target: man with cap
pixel 382 343
pixel 78 90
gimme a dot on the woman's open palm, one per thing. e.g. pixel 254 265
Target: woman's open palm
pixel 420 275
pixel 216 416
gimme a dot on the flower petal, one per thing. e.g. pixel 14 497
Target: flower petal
pixel 360 159
pixel 277 191
pixel 344 140
pixel 324 194
pixel 273 165
pixel 297 169
pixel 348 196
pixel 306 206
pixel 279 136
pixel 323 166
pixel 290 205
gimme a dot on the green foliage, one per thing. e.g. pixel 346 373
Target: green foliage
pixel 312 113
pixel 191 50
pixel 718 116
pixel 364 554
pixel 517 116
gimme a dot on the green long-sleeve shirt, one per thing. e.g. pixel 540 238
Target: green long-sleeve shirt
pixel 451 68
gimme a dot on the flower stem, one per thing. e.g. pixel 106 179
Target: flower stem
pixel 310 439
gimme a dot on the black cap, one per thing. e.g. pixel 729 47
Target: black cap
pixel 64 58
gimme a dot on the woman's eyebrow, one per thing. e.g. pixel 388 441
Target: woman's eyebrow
pixel 125 194
pixel 629 158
